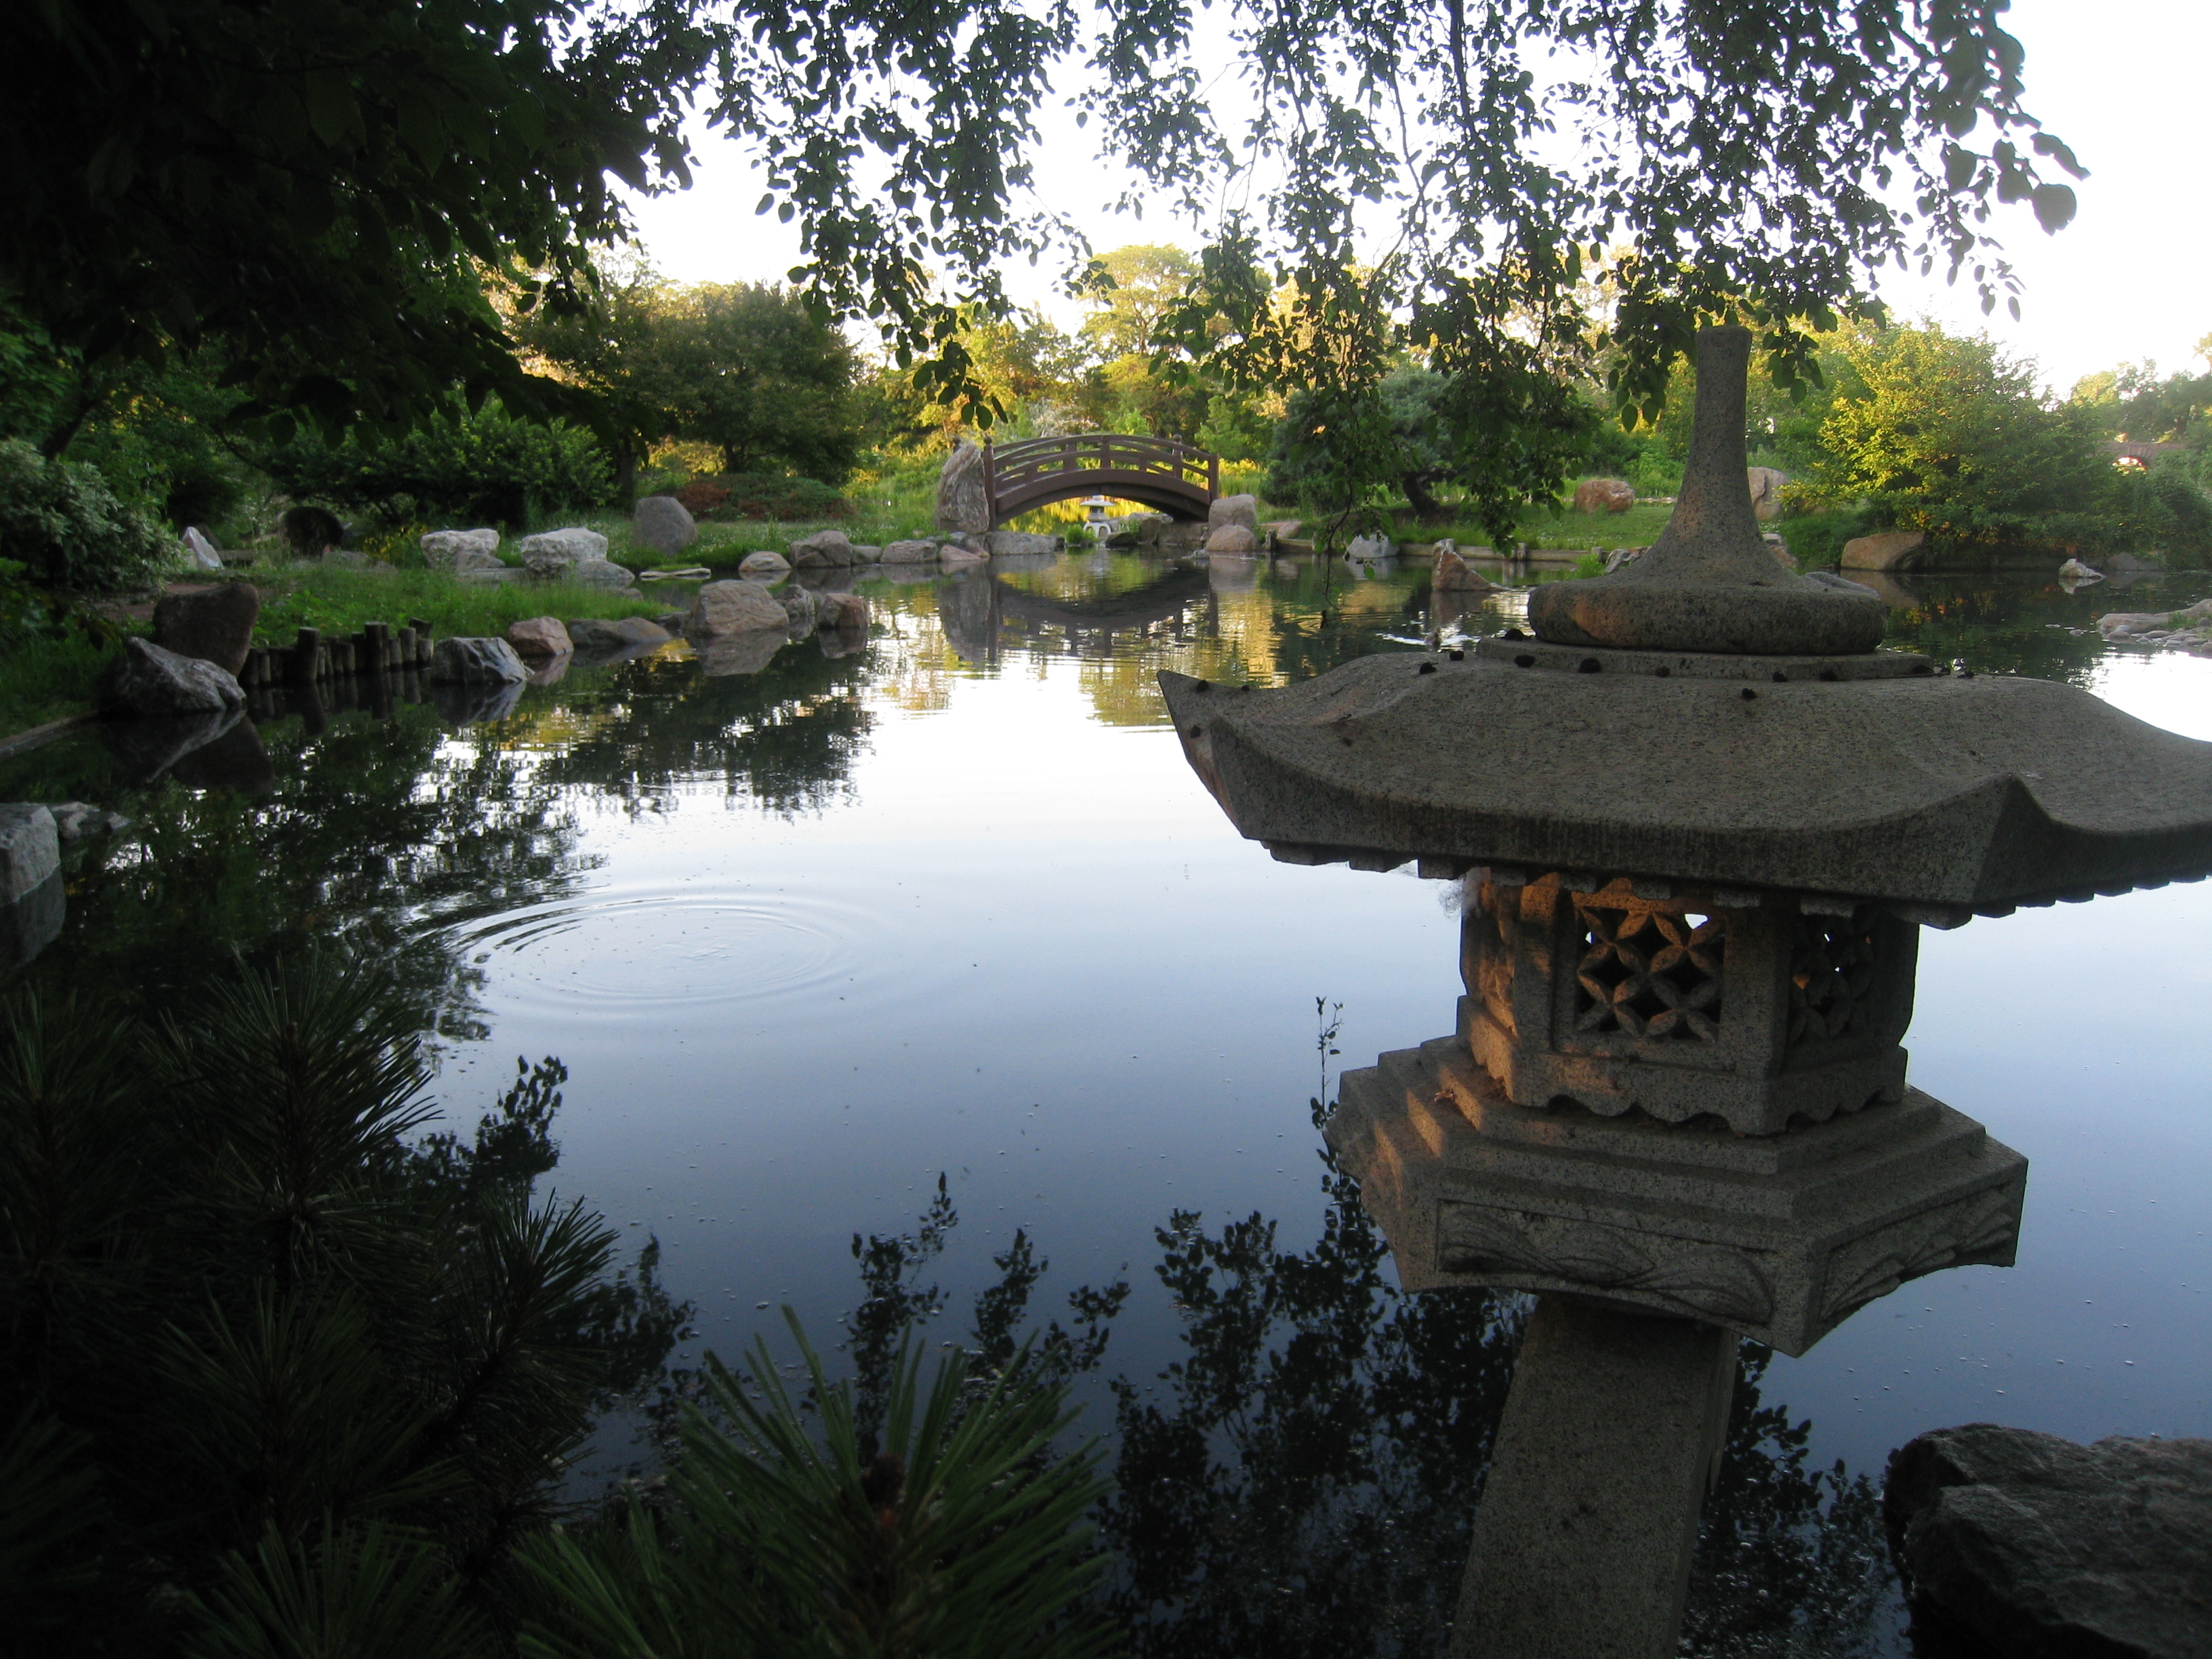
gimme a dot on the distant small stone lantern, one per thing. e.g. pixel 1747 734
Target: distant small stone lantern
pixel 1701 818
pixel 1095 517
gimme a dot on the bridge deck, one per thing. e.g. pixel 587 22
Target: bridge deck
pixel 1175 477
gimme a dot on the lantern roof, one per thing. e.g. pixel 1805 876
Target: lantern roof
pixel 1975 793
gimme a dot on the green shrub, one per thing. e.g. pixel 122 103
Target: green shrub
pixel 1816 539
pixel 486 468
pixel 1952 437
pixel 64 525
pixel 2188 539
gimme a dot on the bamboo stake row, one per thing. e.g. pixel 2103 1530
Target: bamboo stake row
pixel 377 649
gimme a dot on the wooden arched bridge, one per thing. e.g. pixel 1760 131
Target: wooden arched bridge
pixel 1175 477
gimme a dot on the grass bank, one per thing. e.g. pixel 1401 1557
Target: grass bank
pixel 338 600
pixel 51 679
pixel 48 680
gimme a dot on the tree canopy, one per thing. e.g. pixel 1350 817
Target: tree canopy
pixel 319 185
pixel 744 367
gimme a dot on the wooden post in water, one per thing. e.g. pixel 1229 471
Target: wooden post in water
pixel 307 656
pixel 422 641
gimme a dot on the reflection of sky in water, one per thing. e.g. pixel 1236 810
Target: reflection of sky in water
pixel 807 941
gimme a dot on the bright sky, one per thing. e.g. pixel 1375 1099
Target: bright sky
pixel 2125 281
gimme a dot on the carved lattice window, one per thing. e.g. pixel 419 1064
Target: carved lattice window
pixel 1649 973
pixel 1832 975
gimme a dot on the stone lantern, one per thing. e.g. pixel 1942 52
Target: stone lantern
pixel 1701 817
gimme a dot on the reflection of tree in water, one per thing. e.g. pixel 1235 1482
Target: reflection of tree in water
pixel 1302 1483
pixel 786 737
pixel 1307 1482
pixel 368 826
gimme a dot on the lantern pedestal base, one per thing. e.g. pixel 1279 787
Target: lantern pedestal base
pixel 1610 1440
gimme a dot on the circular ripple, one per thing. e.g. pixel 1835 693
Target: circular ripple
pixel 620 948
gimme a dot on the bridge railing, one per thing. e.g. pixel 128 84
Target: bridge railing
pixel 1017 467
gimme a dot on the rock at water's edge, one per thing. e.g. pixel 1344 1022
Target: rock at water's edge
pixel 824 548
pixel 476 662
pixel 595 634
pixel 2041 1547
pixel 723 608
pixel 144 679
pixel 30 848
pixel 539 637
pixel 1234 510
pixel 764 566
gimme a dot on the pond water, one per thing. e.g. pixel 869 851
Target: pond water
pixel 809 938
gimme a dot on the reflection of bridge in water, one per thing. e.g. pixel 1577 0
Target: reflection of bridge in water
pixel 1175 477
pixel 974 608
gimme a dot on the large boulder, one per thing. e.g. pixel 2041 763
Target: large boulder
pixel 215 624
pixel 1234 510
pixel 1453 574
pixel 1766 485
pixel 199 551
pixel 954 554
pixel 540 637
pixel 476 662
pixel 961 506
pixel 143 679
pixel 1017 544
pixel 554 552
pixel 1604 495
pixel 455 550
pixel 30 848
pixel 801 605
pixel 663 524
pixel 2037 1547
pixel 1234 539
pixel 842 613
pixel 824 549
pixel 764 567
pixel 720 609
pixel 1893 550
pixel 909 552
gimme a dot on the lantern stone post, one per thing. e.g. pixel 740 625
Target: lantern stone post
pixel 1700 818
